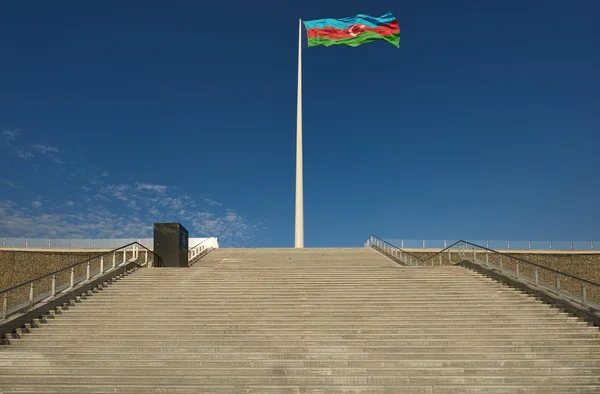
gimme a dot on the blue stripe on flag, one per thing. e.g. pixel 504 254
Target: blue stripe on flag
pixel 344 23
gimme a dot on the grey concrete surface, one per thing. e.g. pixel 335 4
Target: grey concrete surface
pixel 306 321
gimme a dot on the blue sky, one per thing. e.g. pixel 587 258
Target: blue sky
pixel 483 125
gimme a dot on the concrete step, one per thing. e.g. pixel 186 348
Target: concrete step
pixel 308 321
pixel 257 371
pixel 304 389
pixel 281 377
pixel 466 363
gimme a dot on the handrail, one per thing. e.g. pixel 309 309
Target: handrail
pixel 392 247
pixel 37 292
pixel 568 292
pixel 76 264
pixel 200 243
pixel 442 251
pixel 390 244
pixel 589 282
pixel 202 248
pixel 496 252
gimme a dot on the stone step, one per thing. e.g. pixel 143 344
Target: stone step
pixel 153 347
pixel 280 377
pixel 323 355
pixel 303 389
pixel 257 371
pixel 123 362
pixel 276 336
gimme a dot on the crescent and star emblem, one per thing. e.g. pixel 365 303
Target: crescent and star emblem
pixel 356 29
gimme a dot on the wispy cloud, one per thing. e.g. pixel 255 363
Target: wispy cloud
pixel 155 188
pixel 9 135
pixel 45 149
pixel 10 138
pixel 10 184
pixel 122 210
pixel 100 207
pixel 24 154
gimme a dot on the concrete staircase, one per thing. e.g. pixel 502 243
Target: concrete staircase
pixel 305 321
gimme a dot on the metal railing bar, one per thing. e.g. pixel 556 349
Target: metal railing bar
pixel 498 253
pixel 79 263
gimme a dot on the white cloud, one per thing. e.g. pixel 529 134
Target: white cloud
pixel 44 149
pixel 28 152
pixel 26 155
pixel 10 134
pixel 10 184
pixel 123 210
pixel 154 188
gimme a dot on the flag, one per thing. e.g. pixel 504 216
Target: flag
pixel 353 31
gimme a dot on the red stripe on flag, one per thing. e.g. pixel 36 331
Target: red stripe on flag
pixel 336 34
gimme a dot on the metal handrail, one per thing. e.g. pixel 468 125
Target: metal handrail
pixel 76 264
pixel 518 274
pixel 391 248
pixel 201 248
pixel 561 273
pixel 28 299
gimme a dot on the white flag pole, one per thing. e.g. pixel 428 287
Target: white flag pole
pixel 299 233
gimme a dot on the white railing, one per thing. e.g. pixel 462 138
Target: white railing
pixel 560 284
pixel 497 244
pixel 44 289
pixel 202 248
pixel 73 243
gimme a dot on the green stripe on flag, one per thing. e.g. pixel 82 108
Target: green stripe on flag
pixel 362 38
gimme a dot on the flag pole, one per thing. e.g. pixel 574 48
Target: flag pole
pixel 299 233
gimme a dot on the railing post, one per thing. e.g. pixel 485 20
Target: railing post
pixel 558 283
pixel 5 306
pixel 517 269
pixel 31 295
pixel 72 277
pixel 440 259
pixel 537 277
pixel 114 260
pixel 53 285
pixel 146 258
pixel 584 294
pixel 101 265
pixel 87 274
pixel 487 260
pixel 124 255
pixel 487 244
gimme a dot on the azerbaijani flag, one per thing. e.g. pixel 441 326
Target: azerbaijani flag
pixel 353 31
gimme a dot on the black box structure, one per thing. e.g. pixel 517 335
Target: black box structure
pixel 171 244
